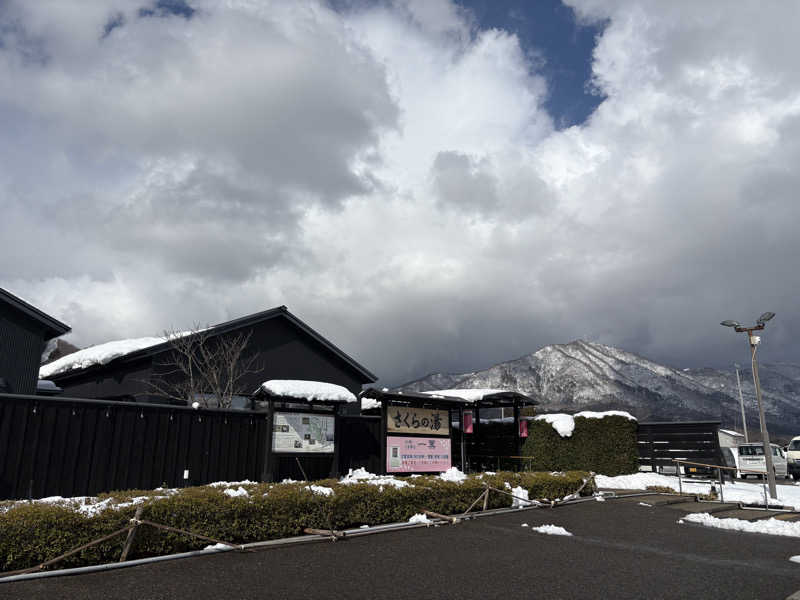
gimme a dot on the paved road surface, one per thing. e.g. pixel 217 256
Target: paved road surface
pixel 619 550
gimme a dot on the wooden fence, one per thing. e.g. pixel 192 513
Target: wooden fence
pixel 75 447
pixel 661 443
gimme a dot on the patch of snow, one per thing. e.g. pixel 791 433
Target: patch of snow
pixel 645 504
pixel 747 493
pixel 551 530
pixel 420 518
pixel 453 474
pixel 524 525
pixel 795 559
pixel 468 395
pixel 565 424
pixel 308 390
pixel 769 526
pixel 361 475
pixel 100 355
pixel 231 483
pixel 321 490
pixel 363 527
pixel 369 403
pixel 599 498
pixel 218 547
pixel 520 498
pixel 235 493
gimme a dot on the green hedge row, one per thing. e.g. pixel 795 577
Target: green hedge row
pixel 31 533
pixel 607 446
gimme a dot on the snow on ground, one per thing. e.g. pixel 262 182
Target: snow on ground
pixel 565 424
pixel 551 530
pixel 739 491
pixel 795 559
pixel 520 498
pixel 361 475
pixel 768 526
pixel 453 474
pixel 218 547
pixel 420 518
pixel 308 390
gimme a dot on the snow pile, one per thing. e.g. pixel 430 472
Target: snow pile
pixel 453 474
pixel 361 475
pixel 466 395
pixel 746 493
pixel 308 390
pixel 768 526
pixel 795 559
pixel 520 498
pixel 235 493
pixel 321 490
pixel 551 530
pixel 420 518
pixel 645 504
pixel 369 403
pixel 565 424
pixel 218 547
pixel 97 355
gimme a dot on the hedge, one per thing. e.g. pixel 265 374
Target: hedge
pixel 607 446
pixel 31 533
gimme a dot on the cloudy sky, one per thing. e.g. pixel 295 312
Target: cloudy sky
pixel 435 186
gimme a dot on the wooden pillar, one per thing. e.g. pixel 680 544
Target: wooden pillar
pixel 266 471
pixel 384 414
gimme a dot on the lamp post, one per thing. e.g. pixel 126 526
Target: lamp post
pixel 741 403
pixel 754 341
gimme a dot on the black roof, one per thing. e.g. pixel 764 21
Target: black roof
pixel 228 326
pixel 53 327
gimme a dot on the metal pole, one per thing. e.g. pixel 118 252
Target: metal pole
pixel 741 404
pixel 773 492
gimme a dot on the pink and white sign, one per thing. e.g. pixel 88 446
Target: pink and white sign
pixel 417 454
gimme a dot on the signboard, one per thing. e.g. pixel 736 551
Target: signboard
pixel 405 419
pixel 302 432
pixel 417 454
pixel 468 421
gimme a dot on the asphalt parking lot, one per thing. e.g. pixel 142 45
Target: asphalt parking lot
pixel 619 549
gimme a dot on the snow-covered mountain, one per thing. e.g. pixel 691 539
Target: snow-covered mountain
pixel 583 375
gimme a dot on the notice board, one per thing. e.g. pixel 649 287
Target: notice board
pixel 302 433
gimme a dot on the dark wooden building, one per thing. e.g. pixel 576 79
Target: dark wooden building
pixel 24 331
pixel 284 348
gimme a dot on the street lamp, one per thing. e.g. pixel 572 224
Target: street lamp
pixel 754 341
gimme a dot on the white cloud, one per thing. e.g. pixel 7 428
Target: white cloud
pixel 389 173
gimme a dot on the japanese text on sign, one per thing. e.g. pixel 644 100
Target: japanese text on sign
pixel 406 419
pixel 409 455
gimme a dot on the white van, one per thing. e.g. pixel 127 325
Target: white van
pixel 751 458
pixel 793 457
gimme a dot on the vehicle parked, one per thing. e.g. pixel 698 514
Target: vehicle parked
pixel 793 458
pixel 751 458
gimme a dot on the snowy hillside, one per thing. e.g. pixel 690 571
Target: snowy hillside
pixel 583 375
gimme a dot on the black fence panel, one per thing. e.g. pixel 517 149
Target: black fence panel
pixel 661 443
pixel 55 446
pixel 360 444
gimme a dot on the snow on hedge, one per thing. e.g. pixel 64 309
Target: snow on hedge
pixel 769 526
pixel 565 424
pixel 97 355
pixel 361 475
pixel 308 390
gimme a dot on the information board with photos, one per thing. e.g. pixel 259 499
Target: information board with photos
pixel 302 433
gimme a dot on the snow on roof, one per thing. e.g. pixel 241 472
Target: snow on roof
pixel 97 355
pixel 308 390
pixel 468 395
pixel 370 403
pixel 729 432
pixel 565 424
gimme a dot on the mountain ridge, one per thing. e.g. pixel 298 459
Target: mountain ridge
pixel 582 375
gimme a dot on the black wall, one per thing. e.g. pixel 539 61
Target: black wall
pixel 283 352
pixel 72 447
pixel 21 346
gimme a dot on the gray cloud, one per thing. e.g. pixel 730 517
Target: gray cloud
pixel 389 172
